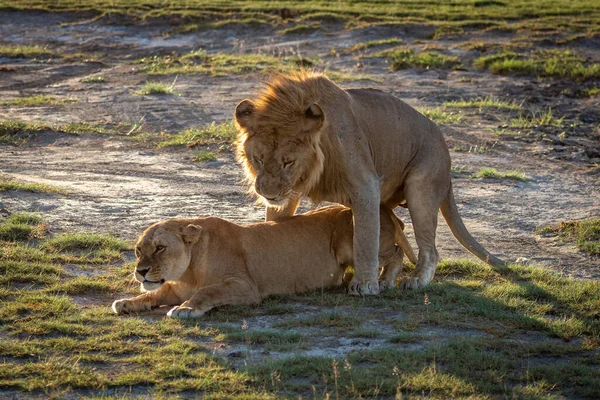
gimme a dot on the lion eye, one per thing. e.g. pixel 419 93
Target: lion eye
pixel 287 164
pixel 159 249
pixel 137 252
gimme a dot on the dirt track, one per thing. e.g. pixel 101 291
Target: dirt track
pixel 121 187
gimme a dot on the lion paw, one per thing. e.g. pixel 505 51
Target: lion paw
pixel 184 312
pixel 412 282
pixel 122 306
pixel 369 288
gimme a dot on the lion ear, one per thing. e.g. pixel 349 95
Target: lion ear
pixel 244 114
pixel 313 119
pixel 191 233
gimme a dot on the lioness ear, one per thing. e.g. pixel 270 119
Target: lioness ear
pixel 244 114
pixel 191 233
pixel 313 118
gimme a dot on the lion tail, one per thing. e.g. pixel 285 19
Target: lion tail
pixel 454 221
pixel 401 239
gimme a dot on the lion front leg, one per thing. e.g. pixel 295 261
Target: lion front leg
pixel 231 291
pixel 164 295
pixel 365 211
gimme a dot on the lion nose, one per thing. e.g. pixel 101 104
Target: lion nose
pixel 143 272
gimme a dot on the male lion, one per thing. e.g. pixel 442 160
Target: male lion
pixel 305 136
pixel 198 264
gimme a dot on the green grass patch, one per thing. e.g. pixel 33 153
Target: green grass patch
pixel 372 43
pixel 440 115
pixel 559 64
pixel 493 173
pixel 300 29
pixel 483 103
pixel 204 156
pixel 585 233
pixel 11 184
pixel 409 58
pixel 22 51
pixel 156 87
pixel 224 133
pixel 84 241
pixel 21 227
pixel 38 100
pixel 94 79
pixel 219 64
pixel 535 119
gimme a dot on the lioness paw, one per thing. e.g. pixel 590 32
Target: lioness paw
pixel 122 306
pixel 369 288
pixel 184 312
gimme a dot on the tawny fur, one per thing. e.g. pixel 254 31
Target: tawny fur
pixel 305 136
pixel 208 262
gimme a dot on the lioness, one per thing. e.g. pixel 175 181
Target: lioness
pixel 198 264
pixel 305 136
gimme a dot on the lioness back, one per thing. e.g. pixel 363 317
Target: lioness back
pixel 300 253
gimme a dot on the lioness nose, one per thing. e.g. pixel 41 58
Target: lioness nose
pixel 143 272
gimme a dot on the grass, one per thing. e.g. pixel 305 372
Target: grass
pixel 535 119
pixel 409 58
pixel 585 233
pixel 11 184
pixel 558 64
pixel 199 61
pixel 204 156
pixel 440 115
pixel 39 100
pixel 224 133
pixel 493 173
pixel 94 79
pixel 156 87
pixel 22 51
pixel 483 103
pixel 21 227
pixel 300 29
pixel 371 43
pixel 17 133
pixel 572 17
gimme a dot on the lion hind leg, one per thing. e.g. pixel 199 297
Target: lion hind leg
pixel 423 205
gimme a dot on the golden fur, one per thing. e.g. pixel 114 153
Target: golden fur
pixel 198 264
pixel 305 136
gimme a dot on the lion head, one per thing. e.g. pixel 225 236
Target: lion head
pixel 163 253
pixel 279 139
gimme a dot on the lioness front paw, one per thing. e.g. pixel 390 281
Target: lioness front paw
pixel 184 312
pixel 122 306
pixel 413 282
pixel 386 284
pixel 368 288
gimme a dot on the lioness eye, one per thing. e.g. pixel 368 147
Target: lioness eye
pixel 137 251
pixel 288 164
pixel 159 249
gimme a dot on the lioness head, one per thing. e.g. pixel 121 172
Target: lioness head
pixel 279 144
pixel 163 253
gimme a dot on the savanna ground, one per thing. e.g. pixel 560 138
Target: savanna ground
pixel 116 114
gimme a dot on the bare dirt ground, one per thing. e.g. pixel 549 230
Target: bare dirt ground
pixel 121 186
